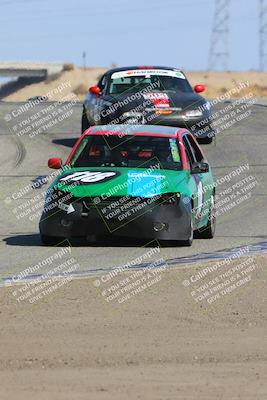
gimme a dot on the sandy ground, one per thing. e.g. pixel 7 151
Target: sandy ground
pixel 71 80
pixel 160 344
pixel 217 83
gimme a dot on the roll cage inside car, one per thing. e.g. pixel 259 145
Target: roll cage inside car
pixel 191 153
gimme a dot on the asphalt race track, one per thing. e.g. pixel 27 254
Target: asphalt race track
pixel 241 148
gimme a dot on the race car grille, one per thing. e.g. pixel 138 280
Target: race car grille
pixel 124 203
pixel 112 201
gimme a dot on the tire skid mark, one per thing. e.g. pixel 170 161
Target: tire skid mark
pixel 21 151
pixel 186 262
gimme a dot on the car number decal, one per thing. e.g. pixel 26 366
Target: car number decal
pixel 152 95
pixel 199 197
pixel 90 176
pixel 160 100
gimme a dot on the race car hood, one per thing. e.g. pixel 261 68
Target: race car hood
pixel 185 100
pixel 162 99
pixel 113 181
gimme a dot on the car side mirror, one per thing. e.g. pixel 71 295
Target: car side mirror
pixel 55 163
pixel 95 90
pixel 200 167
pixel 199 88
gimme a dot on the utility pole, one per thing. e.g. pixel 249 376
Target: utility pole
pixel 263 34
pixel 219 52
pixel 84 59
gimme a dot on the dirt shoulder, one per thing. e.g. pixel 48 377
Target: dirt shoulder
pixel 69 82
pixel 79 80
pixel 163 343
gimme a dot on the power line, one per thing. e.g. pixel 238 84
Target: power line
pixel 219 52
pixel 263 34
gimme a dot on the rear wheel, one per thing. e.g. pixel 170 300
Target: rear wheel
pixel 85 123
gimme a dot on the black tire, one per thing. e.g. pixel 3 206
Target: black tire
pixel 189 241
pixel 50 240
pixel 208 231
pixel 85 123
pixel 206 140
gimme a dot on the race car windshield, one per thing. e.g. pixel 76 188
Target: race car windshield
pixel 127 151
pixel 152 83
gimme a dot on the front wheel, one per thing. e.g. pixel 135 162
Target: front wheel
pixel 207 140
pixel 85 123
pixel 188 242
pixel 50 240
pixel 208 231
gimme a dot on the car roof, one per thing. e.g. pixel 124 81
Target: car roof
pixel 111 71
pixel 140 130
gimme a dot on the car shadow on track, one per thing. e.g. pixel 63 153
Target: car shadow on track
pixel 69 142
pixel 23 240
pixel 34 240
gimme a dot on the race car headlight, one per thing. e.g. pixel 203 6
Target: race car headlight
pixel 132 114
pixel 193 113
pixel 55 196
pixel 170 198
pixel 207 105
pixel 107 103
pixel 52 195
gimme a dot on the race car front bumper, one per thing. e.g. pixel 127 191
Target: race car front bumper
pixel 200 127
pixel 144 219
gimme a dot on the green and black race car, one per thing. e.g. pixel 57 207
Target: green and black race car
pixel 140 181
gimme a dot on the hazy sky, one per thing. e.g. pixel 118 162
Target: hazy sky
pixel 163 32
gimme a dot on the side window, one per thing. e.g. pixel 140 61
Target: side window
pixel 188 152
pixel 102 82
pixel 196 150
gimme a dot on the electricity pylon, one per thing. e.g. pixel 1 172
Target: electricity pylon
pixel 219 52
pixel 263 34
